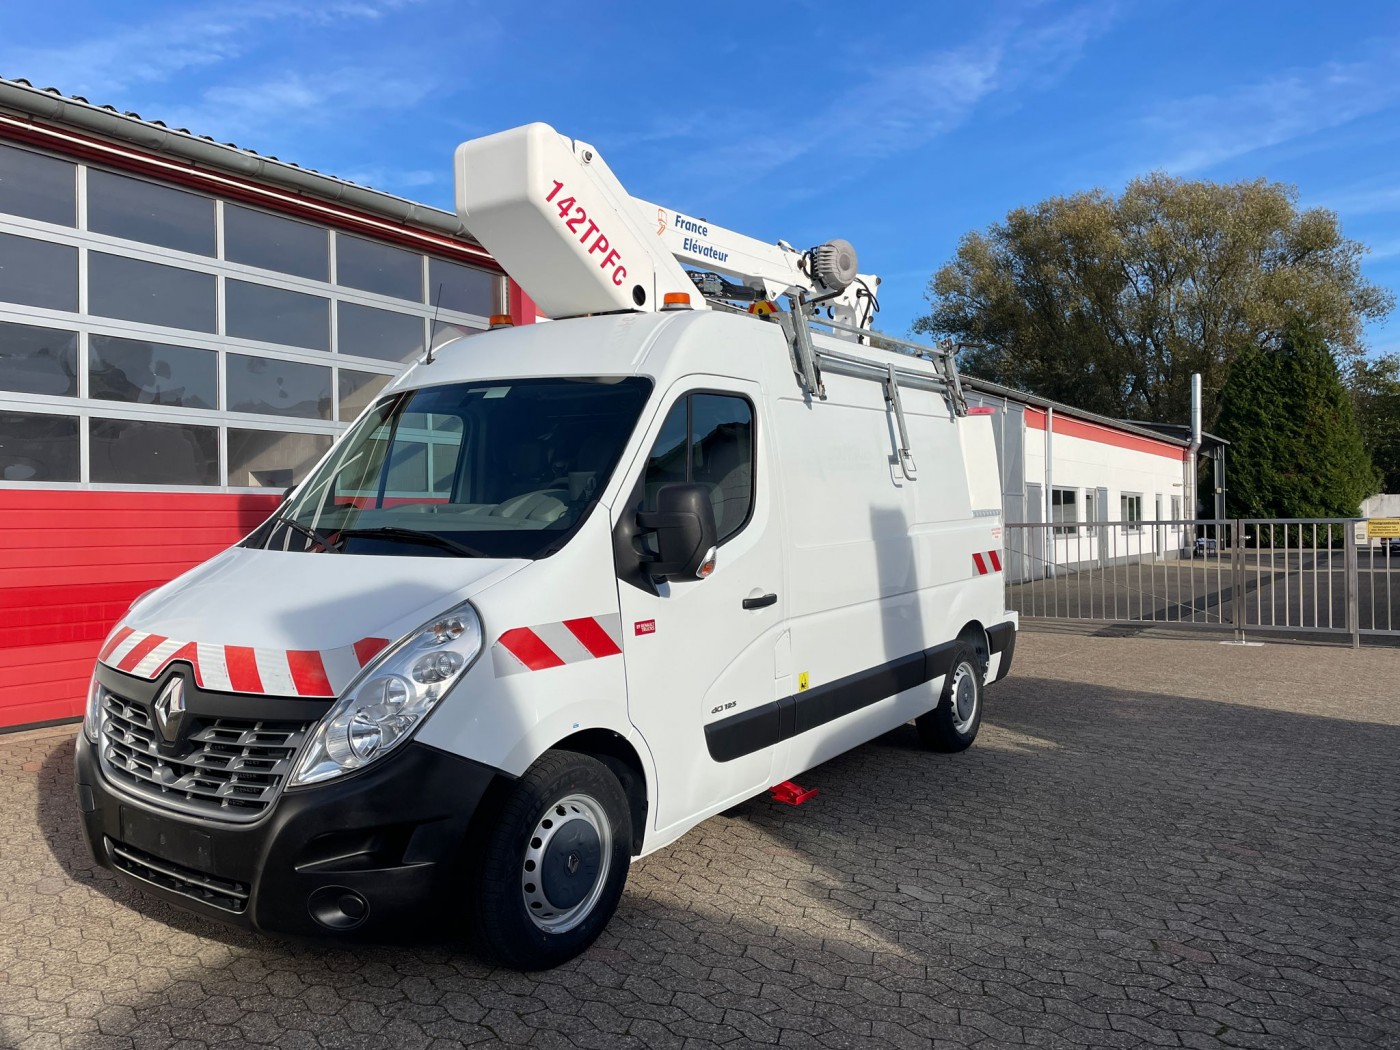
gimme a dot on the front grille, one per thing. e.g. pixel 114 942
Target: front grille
pixel 197 885
pixel 232 770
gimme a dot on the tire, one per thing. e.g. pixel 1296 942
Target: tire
pixel 533 903
pixel 952 725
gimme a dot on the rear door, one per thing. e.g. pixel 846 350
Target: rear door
pixel 706 658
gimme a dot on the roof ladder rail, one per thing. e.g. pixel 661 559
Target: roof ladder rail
pixel 955 391
pixel 906 458
pixel 942 358
pixel 804 354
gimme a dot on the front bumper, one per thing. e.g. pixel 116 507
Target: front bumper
pixel 1001 638
pixel 380 852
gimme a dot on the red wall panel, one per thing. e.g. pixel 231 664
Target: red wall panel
pixel 70 565
pixel 1069 427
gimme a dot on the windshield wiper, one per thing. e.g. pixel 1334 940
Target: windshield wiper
pixel 429 539
pixel 306 530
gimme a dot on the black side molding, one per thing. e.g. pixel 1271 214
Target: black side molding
pixel 760 727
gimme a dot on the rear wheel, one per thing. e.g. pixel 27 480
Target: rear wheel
pixel 953 724
pixel 554 864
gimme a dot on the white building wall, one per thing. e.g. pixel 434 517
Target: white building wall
pixel 1099 474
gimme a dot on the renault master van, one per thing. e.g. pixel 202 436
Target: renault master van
pixel 556 597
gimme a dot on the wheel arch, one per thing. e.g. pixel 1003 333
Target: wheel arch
pixel 974 632
pixel 617 753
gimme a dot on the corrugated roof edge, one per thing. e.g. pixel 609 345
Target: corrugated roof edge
pixel 987 387
pixel 1182 428
pixel 51 104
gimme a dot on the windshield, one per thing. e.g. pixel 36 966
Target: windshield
pixel 505 469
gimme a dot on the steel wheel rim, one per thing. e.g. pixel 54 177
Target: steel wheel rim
pixel 564 830
pixel 963 696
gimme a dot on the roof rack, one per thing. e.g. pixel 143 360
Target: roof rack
pixel 807 357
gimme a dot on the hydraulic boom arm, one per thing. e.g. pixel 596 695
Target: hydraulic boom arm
pixel 555 216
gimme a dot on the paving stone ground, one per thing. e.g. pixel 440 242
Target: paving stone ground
pixel 1154 842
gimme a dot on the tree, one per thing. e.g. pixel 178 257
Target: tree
pixel 1295 448
pixel 1375 394
pixel 1111 303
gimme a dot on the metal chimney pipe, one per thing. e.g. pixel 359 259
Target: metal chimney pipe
pixel 1192 468
pixel 1196 410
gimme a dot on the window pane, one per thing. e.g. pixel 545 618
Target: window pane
pixel 358 389
pixel 268 459
pixel 134 290
pixel 423 461
pixel 255 238
pixel 453 286
pixel 143 373
pixel 38 360
pixel 36 186
pixel 138 452
pixel 38 273
pixel 1132 508
pixel 143 211
pixel 444 450
pixel 36 447
pixel 667 464
pixel 1064 508
pixel 408 463
pixel 721 433
pixel 275 315
pixel 367 332
pixel 374 267
pixel 445 332
pixel 282 388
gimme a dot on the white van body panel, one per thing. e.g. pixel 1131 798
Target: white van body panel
pixel 506 717
pixel 695 654
pixel 283 599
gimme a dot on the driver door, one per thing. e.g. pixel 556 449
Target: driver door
pixel 707 659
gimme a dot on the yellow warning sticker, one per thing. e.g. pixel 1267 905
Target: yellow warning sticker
pixel 802 681
pixel 1382 528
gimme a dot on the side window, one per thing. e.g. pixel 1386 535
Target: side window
pixel 707 439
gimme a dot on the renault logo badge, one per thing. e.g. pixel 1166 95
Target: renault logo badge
pixel 170 708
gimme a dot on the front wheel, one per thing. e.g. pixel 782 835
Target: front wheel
pixel 554 864
pixel 953 724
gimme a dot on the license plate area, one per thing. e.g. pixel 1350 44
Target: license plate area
pixel 166 839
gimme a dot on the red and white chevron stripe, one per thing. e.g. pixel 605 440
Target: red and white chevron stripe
pixel 987 561
pixel 242 668
pixel 547 645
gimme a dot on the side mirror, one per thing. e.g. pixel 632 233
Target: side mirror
pixel 684 523
pixel 286 493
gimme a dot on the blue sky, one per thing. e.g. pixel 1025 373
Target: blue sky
pixel 897 126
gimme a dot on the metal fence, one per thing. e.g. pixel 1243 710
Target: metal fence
pixel 1295 575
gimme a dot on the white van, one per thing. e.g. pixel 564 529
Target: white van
pixel 558 596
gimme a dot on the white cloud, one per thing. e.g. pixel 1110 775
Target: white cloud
pixel 1201 131
pixel 892 109
pixel 1383 250
pixel 1361 200
pixel 259 109
pixel 199 38
pixel 394 181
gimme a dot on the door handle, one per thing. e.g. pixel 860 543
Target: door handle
pixel 761 602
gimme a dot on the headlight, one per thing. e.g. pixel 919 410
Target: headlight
pixel 392 695
pixel 92 717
